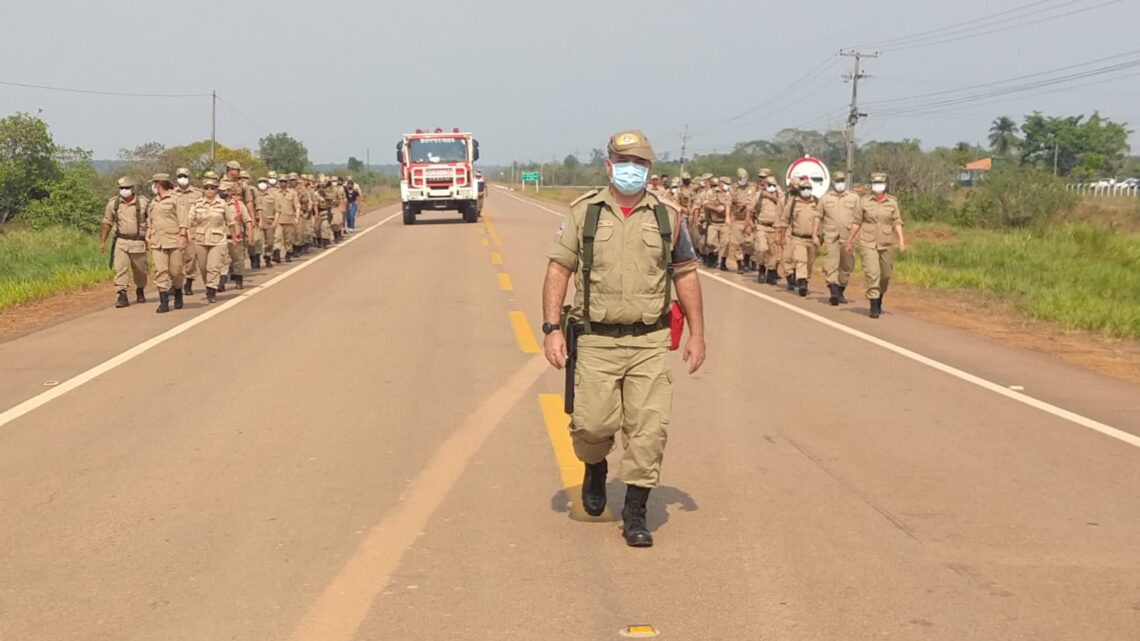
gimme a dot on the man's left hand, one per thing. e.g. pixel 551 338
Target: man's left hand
pixel 694 353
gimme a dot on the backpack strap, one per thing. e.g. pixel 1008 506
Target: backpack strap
pixel 663 224
pixel 589 232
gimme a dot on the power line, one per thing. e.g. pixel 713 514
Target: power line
pixel 247 118
pixel 981 22
pixel 125 94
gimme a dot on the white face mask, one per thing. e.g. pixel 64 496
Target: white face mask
pixel 726 187
pixel 879 188
pixel 262 186
pixel 742 182
pixel 273 181
pixel 126 192
pixel 805 192
pixel 183 181
pixel 771 189
pixel 841 187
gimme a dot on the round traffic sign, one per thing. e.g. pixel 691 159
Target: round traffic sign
pixel 814 169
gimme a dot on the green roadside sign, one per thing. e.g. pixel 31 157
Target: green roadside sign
pixel 530 176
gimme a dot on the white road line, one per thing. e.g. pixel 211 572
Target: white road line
pixel 1059 412
pixel 72 383
pixel 534 204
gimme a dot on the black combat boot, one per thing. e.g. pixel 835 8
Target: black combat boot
pixel 288 257
pixel 140 295
pixel 177 297
pixel 255 262
pixel 337 236
pixel 163 302
pixel 791 281
pixel 834 299
pixel 634 527
pixel 122 301
pixel 761 274
pixel 876 307
pixel 594 488
pixel 773 277
pixel 277 256
pixel 297 250
pixel 211 295
pixel 267 260
pixel 740 267
pixel 189 288
pixel 723 264
pixel 239 281
pixel 801 284
pixel 842 298
pixel 222 282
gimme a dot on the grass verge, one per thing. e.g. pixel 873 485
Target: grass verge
pixel 36 264
pixel 1078 275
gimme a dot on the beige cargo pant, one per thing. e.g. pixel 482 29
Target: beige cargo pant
pixel 168 268
pixel 129 262
pixel 837 264
pixel 268 242
pixel 211 261
pixel 305 231
pixel 717 239
pixel 803 257
pixel 764 247
pixel 324 229
pixel 337 223
pixel 735 250
pixel 237 255
pixel 190 261
pixel 257 246
pixel 788 260
pixel 877 267
pixel 627 389
pixel 286 238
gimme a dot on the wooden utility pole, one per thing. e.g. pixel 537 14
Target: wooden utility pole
pixel 213 126
pixel 854 115
pixel 684 146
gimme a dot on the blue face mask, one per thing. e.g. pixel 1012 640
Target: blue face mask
pixel 629 177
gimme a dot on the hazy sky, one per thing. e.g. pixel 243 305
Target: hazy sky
pixel 536 80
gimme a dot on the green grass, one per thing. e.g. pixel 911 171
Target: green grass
pixel 36 264
pixel 1078 275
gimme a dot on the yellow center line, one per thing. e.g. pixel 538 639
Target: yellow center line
pixel 571 469
pixel 523 334
pixel 484 242
pixel 505 282
pixel 496 258
pixel 491 232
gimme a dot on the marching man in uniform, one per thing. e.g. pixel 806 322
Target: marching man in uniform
pixel 627 249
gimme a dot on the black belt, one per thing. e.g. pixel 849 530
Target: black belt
pixel 807 237
pixel 126 237
pixel 635 329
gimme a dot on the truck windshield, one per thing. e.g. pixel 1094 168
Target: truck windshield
pixel 438 150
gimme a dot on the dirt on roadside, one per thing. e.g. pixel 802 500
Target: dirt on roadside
pixel 32 316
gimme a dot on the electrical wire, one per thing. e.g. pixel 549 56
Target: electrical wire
pixel 980 22
pixel 105 93
pixel 247 118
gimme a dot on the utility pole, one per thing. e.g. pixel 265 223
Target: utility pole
pixel 368 159
pixel 1056 155
pixel 854 115
pixel 213 125
pixel 684 146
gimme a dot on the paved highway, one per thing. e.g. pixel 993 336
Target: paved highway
pixel 368 445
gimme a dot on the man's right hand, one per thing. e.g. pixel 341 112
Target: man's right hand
pixel 102 247
pixel 554 346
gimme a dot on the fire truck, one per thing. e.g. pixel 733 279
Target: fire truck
pixel 437 173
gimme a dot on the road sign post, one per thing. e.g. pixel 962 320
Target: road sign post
pixel 530 176
pixel 814 169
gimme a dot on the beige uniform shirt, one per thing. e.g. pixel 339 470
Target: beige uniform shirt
pixel 839 211
pixel 186 197
pixel 743 200
pixel 210 222
pixel 767 211
pixel 878 220
pixel 800 215
pixel 288 207
pixel 165 222
pixel 719 197
pixel 130 223
pixel 267 205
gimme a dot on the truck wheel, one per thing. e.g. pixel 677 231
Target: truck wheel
pixel 409 214
pixel 470 212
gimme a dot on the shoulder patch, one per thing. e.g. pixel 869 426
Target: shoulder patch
pixel 589 194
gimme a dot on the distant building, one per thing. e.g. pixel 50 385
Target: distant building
pixel 972 172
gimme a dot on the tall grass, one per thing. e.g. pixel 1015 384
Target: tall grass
pixel 1078 275
pixel 35 264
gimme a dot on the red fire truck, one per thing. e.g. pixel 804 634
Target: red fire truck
pixel 437 173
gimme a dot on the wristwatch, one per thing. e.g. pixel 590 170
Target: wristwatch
pixel 550 327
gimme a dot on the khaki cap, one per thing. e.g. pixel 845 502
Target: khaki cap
pixel 233 164
pixel 209 182
pixel 653 177
pixel 839 175
pixel 272 174
pixel 210 175
pixel 182 171
pixel 879 177
pixel 705 176
pixel 764 172
pixel 803 181
pixel 160 178
pixel 244 174
pixel 225 185
pixel 741 173
pixel 725 179
pixel 686 175
pixel 293 176
pixel 631 143
pixel 126 181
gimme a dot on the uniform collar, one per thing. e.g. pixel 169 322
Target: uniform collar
pixel 606 197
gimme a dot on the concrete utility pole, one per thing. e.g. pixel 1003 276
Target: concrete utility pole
pixel 684 146
pixel 213 125
pixel 854 116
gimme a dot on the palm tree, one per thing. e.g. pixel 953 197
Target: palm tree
pixel 1003 135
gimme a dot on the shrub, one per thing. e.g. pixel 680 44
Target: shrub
pixel 73 201
pixel 1018 197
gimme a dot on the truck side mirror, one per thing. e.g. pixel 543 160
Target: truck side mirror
pixel 400 152
pixel 475 155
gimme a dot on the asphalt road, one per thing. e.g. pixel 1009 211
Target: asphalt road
pixel 366 445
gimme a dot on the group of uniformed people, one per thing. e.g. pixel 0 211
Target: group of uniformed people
pixel 209 232
pixel 763 228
